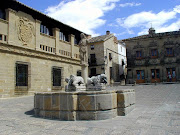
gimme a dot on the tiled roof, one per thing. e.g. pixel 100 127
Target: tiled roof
pixel 154 35
pixel 100 38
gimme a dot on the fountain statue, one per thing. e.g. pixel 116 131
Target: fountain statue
pixel 84 98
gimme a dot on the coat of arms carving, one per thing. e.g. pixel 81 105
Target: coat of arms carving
pixel 25 30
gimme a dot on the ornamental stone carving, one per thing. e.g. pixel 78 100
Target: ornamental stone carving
pixel 25 30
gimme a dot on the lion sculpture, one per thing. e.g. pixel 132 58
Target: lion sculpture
pixel 74 80
pixel 94 80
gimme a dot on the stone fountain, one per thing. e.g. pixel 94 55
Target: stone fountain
pixel 84 98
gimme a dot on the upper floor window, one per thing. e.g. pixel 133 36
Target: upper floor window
pixel 44 29
pixel 154 53
pixel 92 47
pixel 138 54
pixel 110 56
pixel 92 58
pixel 75 41
pixel 0 37
pixel 2 14
pixel 169 52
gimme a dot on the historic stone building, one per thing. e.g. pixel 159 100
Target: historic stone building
pixel 36 51
pixel 103 56
pixel 153 57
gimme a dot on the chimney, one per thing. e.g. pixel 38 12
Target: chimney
pixel 107 32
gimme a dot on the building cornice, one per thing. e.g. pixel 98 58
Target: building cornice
pixel 35 53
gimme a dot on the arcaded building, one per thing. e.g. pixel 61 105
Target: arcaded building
pixel 103 57
pixel 36 51
pixel 154 57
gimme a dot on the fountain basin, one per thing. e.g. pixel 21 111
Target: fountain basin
pixel 84 105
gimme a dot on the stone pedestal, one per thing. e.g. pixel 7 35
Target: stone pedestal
pixel 97 87
pixel 81 87
pixel 84 105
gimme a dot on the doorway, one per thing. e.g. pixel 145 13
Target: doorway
pixel 140 76
pixel 155 75
pixel 171 74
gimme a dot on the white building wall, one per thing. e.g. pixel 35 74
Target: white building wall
pixel 122 56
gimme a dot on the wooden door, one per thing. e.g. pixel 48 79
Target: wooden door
pixel 171 74
pixel 155 75
pixel 140 76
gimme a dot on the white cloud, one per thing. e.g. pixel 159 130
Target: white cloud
pixel 130 4
pixel 84 15
pixel 160 21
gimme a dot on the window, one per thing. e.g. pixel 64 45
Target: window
pixel 56 73
pixel 155 73
pixel 123 62
pixel 21 75
pixel 92 47
pixel 110 56
pixel 79 73
pixel 45 30
pixel 111 72
pixel 154 53
pixel 92 58
pixel 62 37
pixel 5 38
pixel 2 14
pixel 0 37
pixel 169 52
pixel 138 54
pixel 75 41
pixel 93 71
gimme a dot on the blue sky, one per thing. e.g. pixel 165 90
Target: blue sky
pixel 124 18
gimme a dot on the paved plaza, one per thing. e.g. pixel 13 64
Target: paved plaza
pixel 157 112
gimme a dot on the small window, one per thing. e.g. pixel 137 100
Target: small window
pixel 138 54
pixel 45 30
pixel 92 47
pixel 5 38
pixel 110 56
pixel 79 73
pixel 169 51
pixel 62 36
pixel 0 37
pixel 93 71
pixel 56 73
pixel 2 14
pixel 41 46
pixel 21 75
pixel 154 53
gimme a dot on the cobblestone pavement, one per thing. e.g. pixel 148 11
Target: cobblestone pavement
pixel 157 112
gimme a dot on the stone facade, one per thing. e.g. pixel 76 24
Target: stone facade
pixel 154 57
pixel 39 45
pixel 103 57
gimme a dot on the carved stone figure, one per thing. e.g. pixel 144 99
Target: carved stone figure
pixel 74 80
pixel 25 30
pixel 95 80
pixel 83 49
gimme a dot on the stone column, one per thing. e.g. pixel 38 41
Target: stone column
pixel 71 37
pixel 84 73
pixel 56 35
pixel 11 17
pixel 37 34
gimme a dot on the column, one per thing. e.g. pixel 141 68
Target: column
pixel 56 35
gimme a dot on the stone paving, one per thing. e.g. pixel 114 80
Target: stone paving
pixel 157 112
